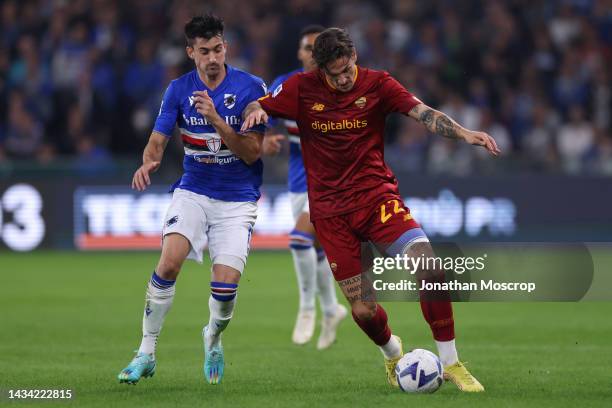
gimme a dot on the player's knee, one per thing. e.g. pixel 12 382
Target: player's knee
pixel 364 311
pixel 168 269
pixel 428 271
pixel 223 272
pixel 300 240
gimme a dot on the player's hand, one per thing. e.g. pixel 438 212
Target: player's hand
pixel 257 117
pixel 271 144
pixel 482 139
pixel 205 106
pixel 141 179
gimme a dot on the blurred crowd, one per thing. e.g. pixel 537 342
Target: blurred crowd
pixel 83 79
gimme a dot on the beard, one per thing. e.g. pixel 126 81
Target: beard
pixel 212 70
pixel 345 88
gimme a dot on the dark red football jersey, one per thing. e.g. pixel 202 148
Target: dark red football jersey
pixel 342 136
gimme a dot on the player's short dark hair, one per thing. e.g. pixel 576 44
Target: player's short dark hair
pixel 206 26
pixel 312 29
pixel 332 44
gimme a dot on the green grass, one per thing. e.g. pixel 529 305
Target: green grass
pixel 72 320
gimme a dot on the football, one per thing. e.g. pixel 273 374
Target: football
pixel 419 371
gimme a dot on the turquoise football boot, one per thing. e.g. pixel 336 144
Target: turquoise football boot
pixel 143 365
pixel 213 361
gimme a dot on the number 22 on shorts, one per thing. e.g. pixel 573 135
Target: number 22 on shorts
pixel 384 217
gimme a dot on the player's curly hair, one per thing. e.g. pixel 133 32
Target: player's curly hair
pixel 332 44
pixel 206 26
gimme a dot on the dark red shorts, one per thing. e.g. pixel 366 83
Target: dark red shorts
pixel 387 224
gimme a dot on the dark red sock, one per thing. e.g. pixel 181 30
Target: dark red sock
pixel 376 328
pixel 439 315
pixel 437 308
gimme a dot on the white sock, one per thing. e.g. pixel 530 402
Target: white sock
pixel 305 263
pixel 447 352
pixel 326 287
pixel 158 300
pixel 392 349
pixel 221 312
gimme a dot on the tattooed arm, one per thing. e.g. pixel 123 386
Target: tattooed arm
pixel 438 122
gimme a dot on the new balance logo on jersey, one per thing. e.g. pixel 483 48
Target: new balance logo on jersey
pixel 191 100
pixel 229 100
pixel 318 107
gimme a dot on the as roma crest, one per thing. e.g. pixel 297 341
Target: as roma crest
pixel 361 102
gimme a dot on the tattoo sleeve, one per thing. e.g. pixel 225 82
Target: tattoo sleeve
pixel 427 118
pixel 438 122
pixel 446 127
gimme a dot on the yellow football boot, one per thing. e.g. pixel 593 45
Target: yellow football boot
pixel 462 378
pixel 391 363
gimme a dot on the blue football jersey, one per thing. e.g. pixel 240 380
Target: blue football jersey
pixel 210 167
pixel 296 178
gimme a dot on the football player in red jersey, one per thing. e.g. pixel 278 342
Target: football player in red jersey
pixel 340 110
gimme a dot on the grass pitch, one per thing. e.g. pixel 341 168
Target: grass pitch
pixel 71 321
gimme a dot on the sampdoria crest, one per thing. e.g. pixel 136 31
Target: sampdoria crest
pixel 229 100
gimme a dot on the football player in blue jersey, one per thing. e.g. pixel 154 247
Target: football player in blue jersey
pixel 311 266
pixel 215 200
